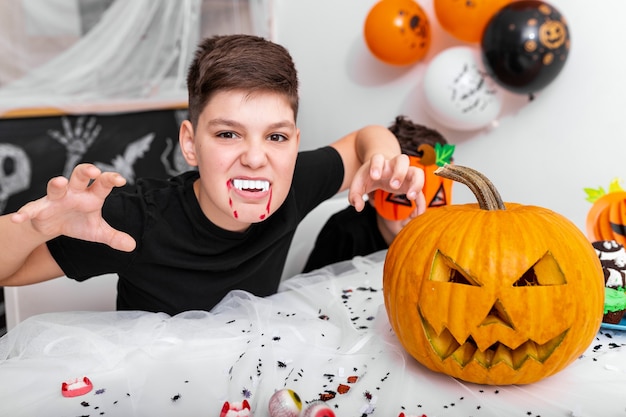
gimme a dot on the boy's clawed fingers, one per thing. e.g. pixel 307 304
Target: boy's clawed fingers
pixel 399 171
pixel 120 240
pixel 103 185
pixel 89 176
pixel 395 175
pixel 57 188
pixel 377 166
pixel 82 175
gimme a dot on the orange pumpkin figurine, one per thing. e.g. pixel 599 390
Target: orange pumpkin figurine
pixel 607 216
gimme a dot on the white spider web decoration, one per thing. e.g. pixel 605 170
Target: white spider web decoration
pixel 137 52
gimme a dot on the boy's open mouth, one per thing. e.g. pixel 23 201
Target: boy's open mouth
pixel 251 185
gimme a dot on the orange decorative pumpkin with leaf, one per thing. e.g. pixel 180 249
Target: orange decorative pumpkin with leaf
pixel 606 220
pixel 493 293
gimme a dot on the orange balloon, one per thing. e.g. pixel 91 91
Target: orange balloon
pixel 397 31
pixel 466 20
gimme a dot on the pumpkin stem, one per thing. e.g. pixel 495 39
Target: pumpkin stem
pixel 486 193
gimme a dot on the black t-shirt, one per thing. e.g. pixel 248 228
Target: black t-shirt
pixel 346 234
pixel 185 262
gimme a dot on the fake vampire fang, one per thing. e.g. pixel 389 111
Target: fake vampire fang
pixel 236 409
pixel 76 387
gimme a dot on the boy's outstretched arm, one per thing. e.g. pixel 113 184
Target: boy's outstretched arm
pixel 372 159
pixel 71 207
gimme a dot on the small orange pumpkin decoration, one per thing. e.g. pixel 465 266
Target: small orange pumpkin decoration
pixel 606 220
pixel 492 293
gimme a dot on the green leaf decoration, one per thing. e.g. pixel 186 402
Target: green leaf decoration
pixel 443 153
pixel 615 187
pixel 594 193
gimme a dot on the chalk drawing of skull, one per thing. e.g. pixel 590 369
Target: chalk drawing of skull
pixel 15 172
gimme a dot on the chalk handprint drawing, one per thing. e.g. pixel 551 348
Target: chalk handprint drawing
pixel 76 140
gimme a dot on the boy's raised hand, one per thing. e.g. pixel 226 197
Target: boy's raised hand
pixel 394 175
pixel 74 208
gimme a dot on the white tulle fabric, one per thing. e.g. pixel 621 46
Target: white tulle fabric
pixel 136 55
pixel 318 333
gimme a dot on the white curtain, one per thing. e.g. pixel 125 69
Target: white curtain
pixel 137 52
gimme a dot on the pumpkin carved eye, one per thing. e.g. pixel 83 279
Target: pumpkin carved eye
pixel 545 272
pixel 446 270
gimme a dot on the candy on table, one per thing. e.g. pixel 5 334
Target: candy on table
pixel 318 409
pixel 76 387
pixel 285 403
pixel 236 409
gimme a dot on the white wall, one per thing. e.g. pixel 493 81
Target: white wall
pixel 542 152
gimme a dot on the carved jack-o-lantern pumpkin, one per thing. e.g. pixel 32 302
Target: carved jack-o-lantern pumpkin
pixel 437 190
pixel 493 293
pixel 606 220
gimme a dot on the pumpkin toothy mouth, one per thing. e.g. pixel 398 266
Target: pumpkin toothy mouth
pixel 466 351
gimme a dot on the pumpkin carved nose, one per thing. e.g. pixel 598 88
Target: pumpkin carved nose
pixel 497 315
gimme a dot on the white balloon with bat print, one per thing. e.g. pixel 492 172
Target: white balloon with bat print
pixel 458 93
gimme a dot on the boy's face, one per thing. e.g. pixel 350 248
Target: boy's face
pixel 245 147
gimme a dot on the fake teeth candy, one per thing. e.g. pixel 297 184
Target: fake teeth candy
pixel 76 387
pixel 236 409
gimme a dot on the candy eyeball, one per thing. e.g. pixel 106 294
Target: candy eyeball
pixel 285 403
pixel 318 409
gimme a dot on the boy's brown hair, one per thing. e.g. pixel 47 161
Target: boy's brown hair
pixel 411 135
pixel 239 62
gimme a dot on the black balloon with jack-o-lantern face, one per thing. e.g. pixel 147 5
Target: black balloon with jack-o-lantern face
pixel 525 46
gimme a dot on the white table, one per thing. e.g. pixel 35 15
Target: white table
pixel 321 329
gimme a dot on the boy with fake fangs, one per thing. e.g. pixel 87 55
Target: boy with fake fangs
pixel 184 243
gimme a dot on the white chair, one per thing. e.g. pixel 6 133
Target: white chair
pixel 61 294
pixel 99 293
pixel 307 232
